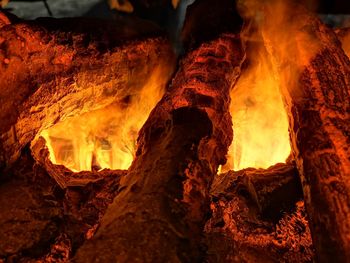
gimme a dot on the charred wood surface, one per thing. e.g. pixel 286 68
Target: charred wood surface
pixel 239 230
pixel 54 68
pixel 40 221
pixel 160 211
pixel 319 113
pixel 272 190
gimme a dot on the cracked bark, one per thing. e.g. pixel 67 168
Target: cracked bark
pixel 54 68
pixel 163 203
pixel 319 117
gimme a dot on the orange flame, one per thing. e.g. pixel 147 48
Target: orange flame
pixel 104 138
pixel 259 118
pixel 345 41
pixel 260 121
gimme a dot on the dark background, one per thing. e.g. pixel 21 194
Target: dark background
pixel 333 12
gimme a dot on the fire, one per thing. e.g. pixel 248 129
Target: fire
pixel 259 118
pixel 260 121
pixel 346 44
pixel 279 47
pixel 105 138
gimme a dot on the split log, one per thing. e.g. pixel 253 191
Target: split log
pixel 160 212
pixel 319 115
pixel 54 68
pixel 240 231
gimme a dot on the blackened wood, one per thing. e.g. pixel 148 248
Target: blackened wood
pixel 258 216
pixel 41 221
pixel 272 190
pixel 206 20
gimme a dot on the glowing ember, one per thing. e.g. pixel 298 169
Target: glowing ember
pixel 104 138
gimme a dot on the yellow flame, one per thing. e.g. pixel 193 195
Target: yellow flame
pixel 284 42
pixel 260 121
pixel 104 138
pixel 259 118
pixel 123 6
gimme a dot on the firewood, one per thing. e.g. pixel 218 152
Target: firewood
pixel 344 37
pixel 160 212
pixel 54 68
pixel 258 216
pixel 37 214
pixel 318 105
pixel 271 189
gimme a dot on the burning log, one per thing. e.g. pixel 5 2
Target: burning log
pixel 270 189
pixel 318 103
pixel 51 69
pixel 163 201
pixel 258 216
pixel 40 221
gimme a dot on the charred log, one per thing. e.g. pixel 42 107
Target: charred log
pixel 272 190
pixel 206 19
pixel 319 111
pixel 240 231
pixel 41 221
pixel 161 209
pixel 51 69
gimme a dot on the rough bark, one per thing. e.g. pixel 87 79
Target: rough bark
pixel 240 231
pixel 319 112
pixel 270 190
pixel 40 221
pixel 160 211
pixel 51 69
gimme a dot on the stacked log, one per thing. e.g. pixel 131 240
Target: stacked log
pixel 163 203
pixel 319 115
pixel 51 69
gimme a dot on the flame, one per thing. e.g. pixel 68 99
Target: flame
pixel 283 46
pixel 123 6
pixel 104 138
pixel 259 118
pixel 260 121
